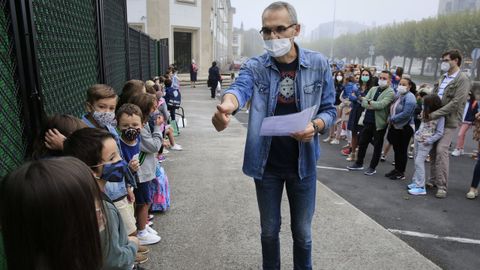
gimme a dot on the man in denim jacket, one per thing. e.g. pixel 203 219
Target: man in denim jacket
pixel 285 80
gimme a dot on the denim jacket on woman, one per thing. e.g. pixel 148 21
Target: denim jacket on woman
pixel 259 80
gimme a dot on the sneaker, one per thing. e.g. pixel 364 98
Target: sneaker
pixel 352 157
pixel 247 111
pixel 150 223
pixel 410 155
pixel 165 151
pixel 417 191
pixel 398 176
pixel 143 250
pixel 334 141
pixel 355 167
pixel 176 147
pixel 150 217
pixel 161 158
pixel 472 194
pixel 392 172
pixel 412 185
pixel 346 151
pixel 370 172
pixel 457 152
pixel 383 158
pixel 427 159
pixel 147 238
pixel 326 140
pixel 140 258
pixel 151 230
pixel 441 193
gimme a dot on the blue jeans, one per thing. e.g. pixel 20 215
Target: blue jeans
pixel 301 197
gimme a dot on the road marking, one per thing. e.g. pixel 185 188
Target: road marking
pixel 332 168
pixel 433 236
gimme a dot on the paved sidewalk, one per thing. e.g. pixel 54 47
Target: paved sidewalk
pixel 214 223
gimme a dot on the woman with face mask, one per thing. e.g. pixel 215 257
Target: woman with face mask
pixel 401 126
pixel 338 78
pixel 365 84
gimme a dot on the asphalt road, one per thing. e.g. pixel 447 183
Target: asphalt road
pixel 388 203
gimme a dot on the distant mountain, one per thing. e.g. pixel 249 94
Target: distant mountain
pixel 324 30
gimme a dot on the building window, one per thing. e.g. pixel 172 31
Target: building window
pixel 190 2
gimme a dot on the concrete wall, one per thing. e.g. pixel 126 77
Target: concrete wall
pixel 137 12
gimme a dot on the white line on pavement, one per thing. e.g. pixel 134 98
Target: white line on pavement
pixel 332 168
pixel 433 236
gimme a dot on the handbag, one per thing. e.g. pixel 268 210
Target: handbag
pixel 362 117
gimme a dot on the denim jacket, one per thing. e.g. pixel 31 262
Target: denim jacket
pixel 115 190
pixel 404 111
pixel 259 81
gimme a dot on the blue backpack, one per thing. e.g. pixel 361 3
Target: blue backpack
pixel 173 98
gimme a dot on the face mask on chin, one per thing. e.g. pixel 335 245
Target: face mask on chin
pixel 277 47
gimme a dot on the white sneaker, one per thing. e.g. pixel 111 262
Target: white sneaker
pixel 176 147
pixel 165 151
pixel 335 141
pixel 457 152
pixel 147 238
pixel 151 230
pixel 247 111
pixel 326 139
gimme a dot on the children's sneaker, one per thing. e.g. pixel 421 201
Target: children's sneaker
pixel 335 141
pixel 161 158
pixel 326 140
pixel 411 185
pixel 417 191
pixel 147 238
pixel 165 151
pixel 151 230
pixel 355 167
pixel 457 152
pixel 143 249
pixel 176 147
pixel 150 217
pixel 140 258
pixel 346 151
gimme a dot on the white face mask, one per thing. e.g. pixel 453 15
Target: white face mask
pixel 445 66
pixel 277 47
pixel 382 83
pixel 402 89
pixel 339 78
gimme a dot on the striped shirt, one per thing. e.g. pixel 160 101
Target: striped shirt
pixel 446 80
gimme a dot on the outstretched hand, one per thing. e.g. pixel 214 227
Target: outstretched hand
pixel 221 118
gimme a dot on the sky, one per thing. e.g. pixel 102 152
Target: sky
pixel 311 13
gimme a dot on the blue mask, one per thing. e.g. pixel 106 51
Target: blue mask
pixel 114 172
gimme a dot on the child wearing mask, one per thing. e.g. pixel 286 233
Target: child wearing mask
pixel 427 134
pixel 150 143
pixel 98 149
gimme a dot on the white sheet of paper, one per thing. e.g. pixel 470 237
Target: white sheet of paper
pixel 284 125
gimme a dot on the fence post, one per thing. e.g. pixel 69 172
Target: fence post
pixel 100 40
pixel 28 76
pixel 127 42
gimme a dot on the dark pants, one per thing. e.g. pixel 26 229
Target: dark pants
pixel 476 174
pixel 172 112
pixel 368 134
pixel 213 89
pixel 301 195
pixel 400 139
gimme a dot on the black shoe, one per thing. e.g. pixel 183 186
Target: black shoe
pixel 398 176
pixel 355 167
pixel 392 172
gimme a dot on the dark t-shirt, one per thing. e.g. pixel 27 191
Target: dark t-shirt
pixel 370 114
pixel 283 156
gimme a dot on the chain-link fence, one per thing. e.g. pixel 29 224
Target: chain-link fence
pixel 13 145
pixel 70 45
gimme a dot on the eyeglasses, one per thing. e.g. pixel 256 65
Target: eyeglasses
pixel 445 60
pixel 279 29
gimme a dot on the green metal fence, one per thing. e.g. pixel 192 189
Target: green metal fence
pixel 12 140
pixel 63 47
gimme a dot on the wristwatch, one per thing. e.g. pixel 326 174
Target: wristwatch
pixel 315 127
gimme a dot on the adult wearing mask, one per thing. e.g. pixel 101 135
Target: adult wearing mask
pixel 287 79
pixel 453 88
pixel 366 82
pixel 376 103
pixel 401 126
pixel 339 87
pixel 214 78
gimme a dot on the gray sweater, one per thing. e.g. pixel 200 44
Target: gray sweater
pixel 118 252
pixel 150 144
